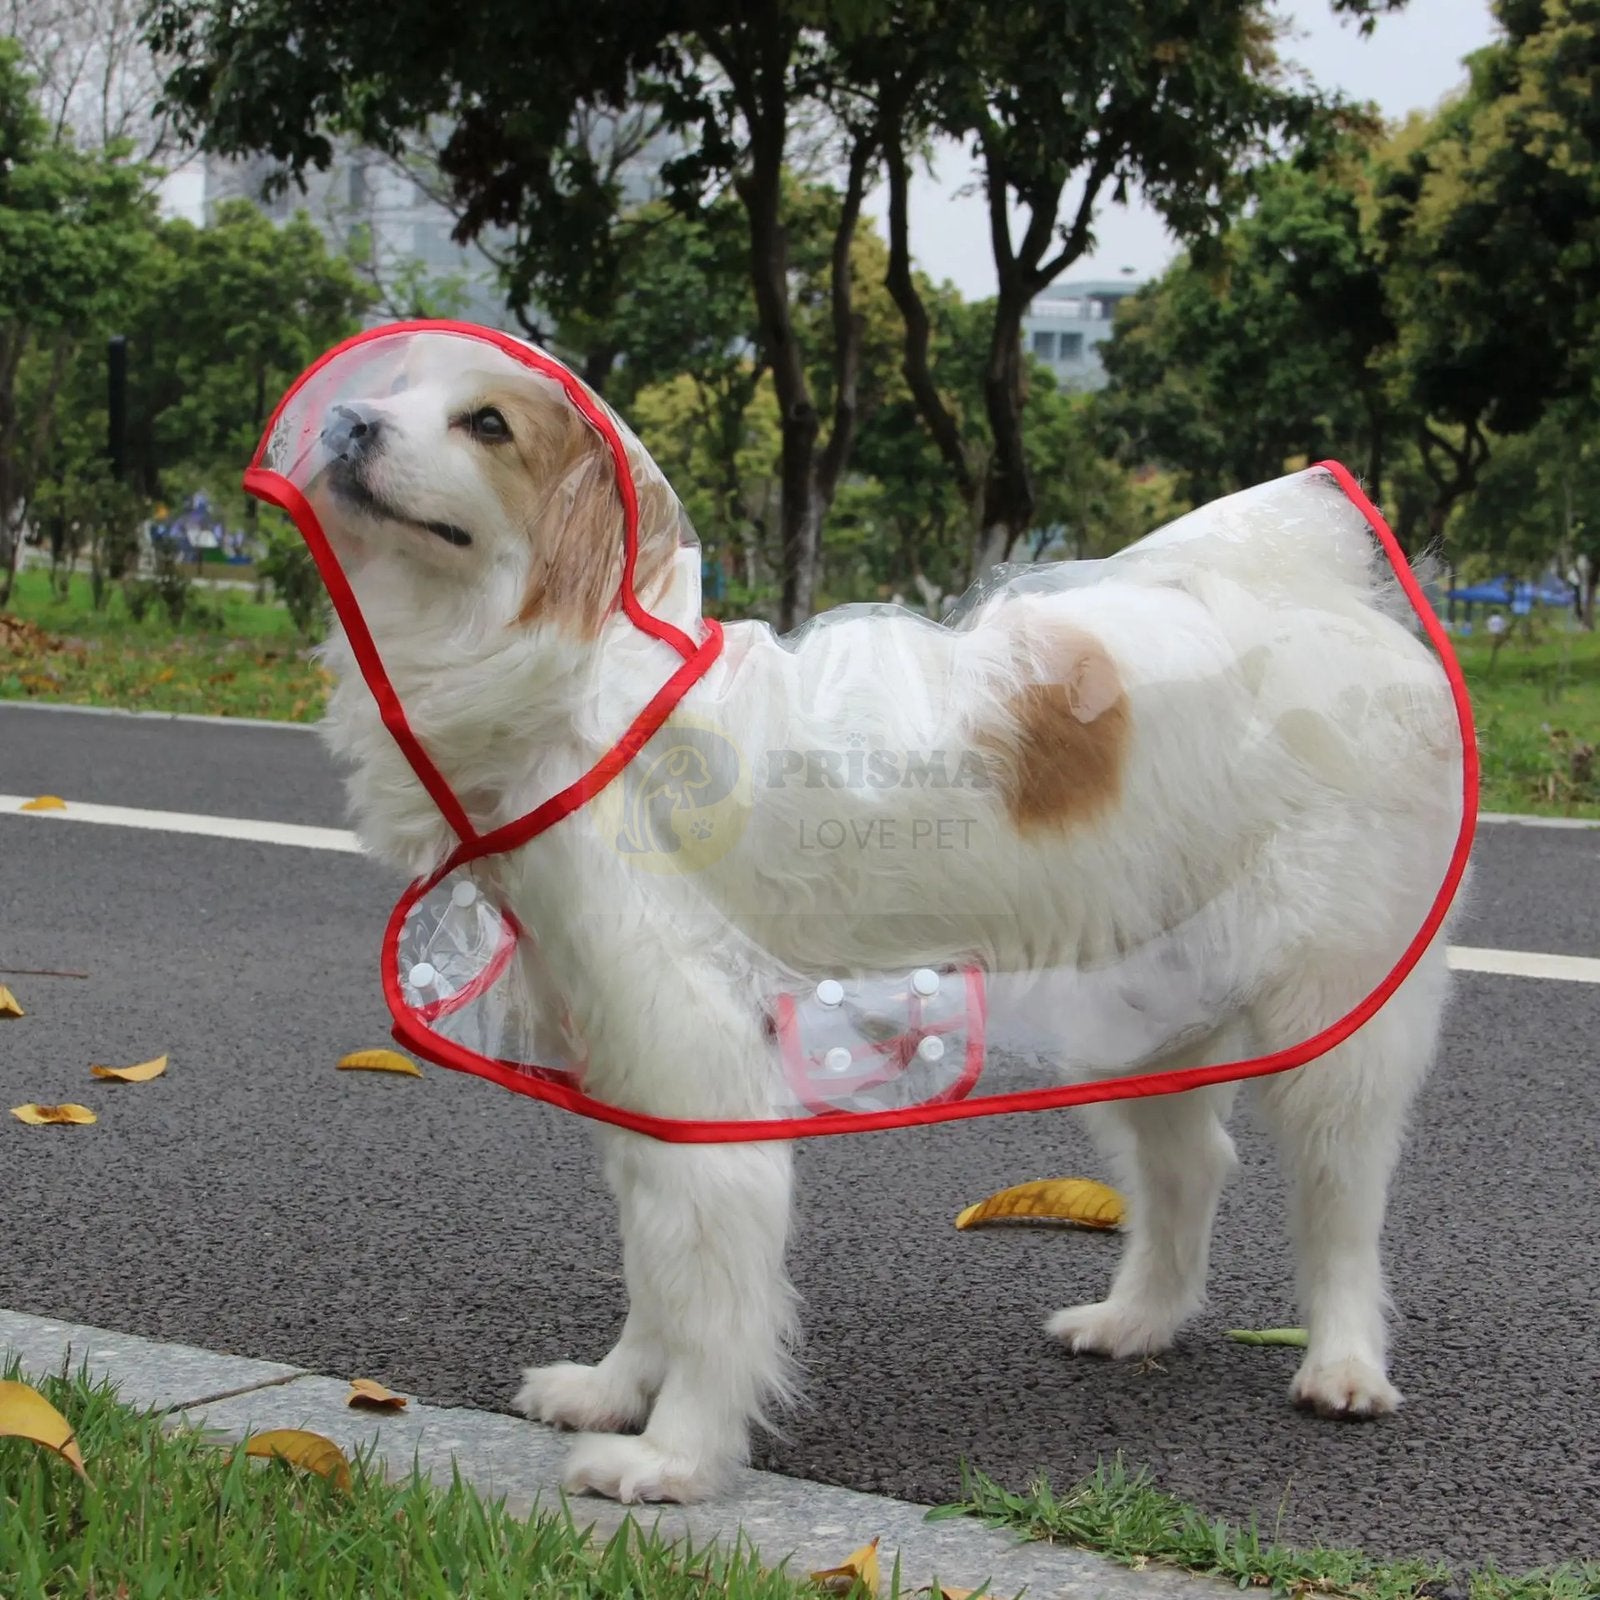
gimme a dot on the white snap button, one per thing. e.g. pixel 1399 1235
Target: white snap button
pixel 931 1049
pixel 464 893
pixel 422 975
pixel 830 992
pixel 838 1059
pixel 925 981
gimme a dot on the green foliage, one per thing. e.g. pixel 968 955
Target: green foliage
pixel 72 231
pixel 295 579
pixel 1488 216
pixel 1265 348
pixel 228 316
pixel 178 1513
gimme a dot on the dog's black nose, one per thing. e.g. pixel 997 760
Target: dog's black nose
pixel 351 432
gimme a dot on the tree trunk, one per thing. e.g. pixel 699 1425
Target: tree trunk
pixel 1008 501
pixel 597 365
pixel 936 416
pixel 760 90
pixel 1376 442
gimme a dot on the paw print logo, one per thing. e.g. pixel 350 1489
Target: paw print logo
pixel 856 741
pixel 681 803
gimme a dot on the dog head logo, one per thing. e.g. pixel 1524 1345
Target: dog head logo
pixel 681 804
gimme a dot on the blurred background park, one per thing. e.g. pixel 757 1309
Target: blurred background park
pixel 893 290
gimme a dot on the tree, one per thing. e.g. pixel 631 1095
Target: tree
pixel 1267 346
pixel 1065 107
pixel 73 226
pixel 515 86
pixel 688 332
pixel 1487 222
pixel 226 318
pixel 1532 505
pixel 96 82
pixel 219 321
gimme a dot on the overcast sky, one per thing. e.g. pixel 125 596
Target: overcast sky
pixel 1409 62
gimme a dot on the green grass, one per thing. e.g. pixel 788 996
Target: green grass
pixel 232 656
pixel 1124 1516
pixel 175 1515
pixel 1537 707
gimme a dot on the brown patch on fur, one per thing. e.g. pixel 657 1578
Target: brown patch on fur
pixel 1060 744
pixel 558 482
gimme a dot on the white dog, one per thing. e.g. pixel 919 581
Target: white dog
pixel 1227 740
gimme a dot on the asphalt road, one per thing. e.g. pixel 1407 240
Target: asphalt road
pixel 439 1235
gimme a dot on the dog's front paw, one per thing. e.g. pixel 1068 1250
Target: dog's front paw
pixel 1347 1388
pixel 585 1399
pixel 1111 1328
pixel 634 1469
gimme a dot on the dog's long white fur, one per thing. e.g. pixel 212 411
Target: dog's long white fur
pixel 1312 852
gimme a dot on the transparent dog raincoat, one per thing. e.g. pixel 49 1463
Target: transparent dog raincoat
pixel 1072 843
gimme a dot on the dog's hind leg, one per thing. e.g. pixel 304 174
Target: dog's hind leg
pixel 1170 1155
pixel 1339 1122
pixel 704 1228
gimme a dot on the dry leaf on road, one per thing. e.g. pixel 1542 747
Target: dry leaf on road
pixel 26 1414
pixel 379 1061
pixel 45 802
pixel 302 1449
pixel 143 1073
pixel 8 1004
pixel 367 1394
pixel 860 1570
pixel 1079 1200
pixel 50 1116
pixel 1294 1337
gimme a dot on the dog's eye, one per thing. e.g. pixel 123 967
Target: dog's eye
pixel 488 426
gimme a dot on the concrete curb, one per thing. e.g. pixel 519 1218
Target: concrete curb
pixel 810 1525
pixel 1522 819
pixel 156 716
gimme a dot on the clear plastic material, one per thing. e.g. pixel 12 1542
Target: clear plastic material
pixel 1194 808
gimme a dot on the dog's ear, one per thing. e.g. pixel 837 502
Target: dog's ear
pixel 577 534
pixel 575 579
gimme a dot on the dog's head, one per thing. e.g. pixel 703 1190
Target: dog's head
pixel 449 462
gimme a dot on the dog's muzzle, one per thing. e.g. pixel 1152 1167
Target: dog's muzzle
pixel 352 434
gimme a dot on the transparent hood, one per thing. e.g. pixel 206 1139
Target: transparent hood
pixel 475 458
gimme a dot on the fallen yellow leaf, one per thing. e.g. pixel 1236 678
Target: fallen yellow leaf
pixel 8 1004
pixel 1079 1200
pixel 26 1414
pixel 41 1116
pixel 368 1394
pixel 860 1571
pixel 302 1449
pixel 45 802
pixel 379 1061
pixel 143 1073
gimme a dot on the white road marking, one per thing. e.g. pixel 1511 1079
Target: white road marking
pixel 1501 963
pixel 255 831
pixel 1525 964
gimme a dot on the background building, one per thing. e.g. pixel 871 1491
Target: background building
pixel 370 208
pixel 1065 327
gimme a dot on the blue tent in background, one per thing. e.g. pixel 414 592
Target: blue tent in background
pixel 1521 597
